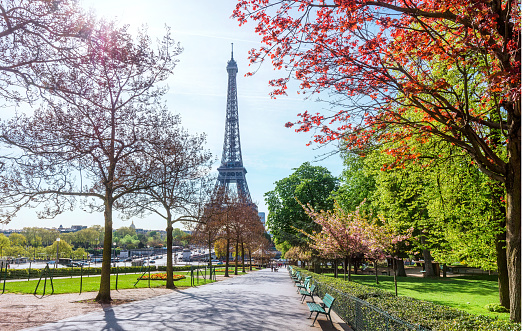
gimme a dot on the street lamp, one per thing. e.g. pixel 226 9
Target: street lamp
pixel 57 245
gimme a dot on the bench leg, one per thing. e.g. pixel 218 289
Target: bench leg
pixel 330 318
pixel 315 318
pixel 310 315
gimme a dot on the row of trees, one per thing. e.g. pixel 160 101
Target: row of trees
pixel 99 131
pixel 16 246
pixel 231 223
pixel 448 72
pixel 31 242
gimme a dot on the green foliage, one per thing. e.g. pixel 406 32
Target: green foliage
pixel 65 250
pixel 496 307
pixel 429 315
pixel 180 238
pixel 455 207
pixel 17 239
pixel 356 183
pixel 308 185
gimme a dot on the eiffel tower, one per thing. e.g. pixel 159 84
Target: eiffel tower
pixel 231 170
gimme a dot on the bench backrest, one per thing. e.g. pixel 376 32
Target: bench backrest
pixel 307 282
pixel 312 289
pixel 328 300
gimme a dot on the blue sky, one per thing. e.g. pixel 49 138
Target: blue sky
pixel 198 92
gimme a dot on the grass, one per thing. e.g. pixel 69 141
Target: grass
pixel 92 284
pixel 468 293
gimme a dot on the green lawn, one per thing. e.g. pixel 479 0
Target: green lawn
pixel 468 293
pixel 92 283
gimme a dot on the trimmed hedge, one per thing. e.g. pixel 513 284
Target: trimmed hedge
pixel 431 316
pixel 67 272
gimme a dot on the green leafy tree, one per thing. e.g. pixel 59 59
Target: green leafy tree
pixel 308 185
pixel 17 239
pixel 130 242
pixel 180 238
pixel 65 250
pixel 4 243
pixel 356 184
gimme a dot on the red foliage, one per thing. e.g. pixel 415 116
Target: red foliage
pixel 393 63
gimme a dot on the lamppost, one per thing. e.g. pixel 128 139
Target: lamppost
pixel 57 246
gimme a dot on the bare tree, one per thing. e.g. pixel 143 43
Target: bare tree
pixel 35 32
pixel 98 125
pixel 180 183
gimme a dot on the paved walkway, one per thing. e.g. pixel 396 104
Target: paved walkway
pixel 261 300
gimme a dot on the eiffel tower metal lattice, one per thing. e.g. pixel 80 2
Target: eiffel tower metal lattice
pixel 231 170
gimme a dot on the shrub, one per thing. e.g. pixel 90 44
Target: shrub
pixel 431 316
pixel 496 307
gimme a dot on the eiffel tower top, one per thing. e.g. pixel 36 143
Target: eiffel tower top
pixel 231 170
pixel 231 65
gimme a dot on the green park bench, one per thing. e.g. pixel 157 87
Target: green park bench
pixel 297 279
pixel 308 292
pixel 305 284
pixel 322 308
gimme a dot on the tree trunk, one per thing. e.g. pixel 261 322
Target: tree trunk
pixel 400 268
pixel 427 258
pixel 394 271
pixel 513 189
pixel 227 258
pixel 243 259
pixel 250 259
pixel 376 270
pixel 501 261
pixel 170 282
pixel 335 266
pixel 104 294
pixel 349 260
pixel 316 266
pixel 209 242
pixel 236 258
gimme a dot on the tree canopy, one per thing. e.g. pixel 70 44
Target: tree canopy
pixel 306 185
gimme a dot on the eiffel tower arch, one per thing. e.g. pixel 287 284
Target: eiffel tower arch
pixel 231 172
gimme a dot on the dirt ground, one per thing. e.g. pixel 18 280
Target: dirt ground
pixel 20 311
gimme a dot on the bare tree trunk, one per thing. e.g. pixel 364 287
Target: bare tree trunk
pixel 429 270
pixel 209 242
pixel 513 189
pixel 227 258
pixel 394 270
pixel 250 259
pixel 501 261
pixel 349 260
pixel 236 258
pixel 170 281
pixel 104 294
pixel 335 266
pixel 376 270
pixel 243 259
pixel 400 268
